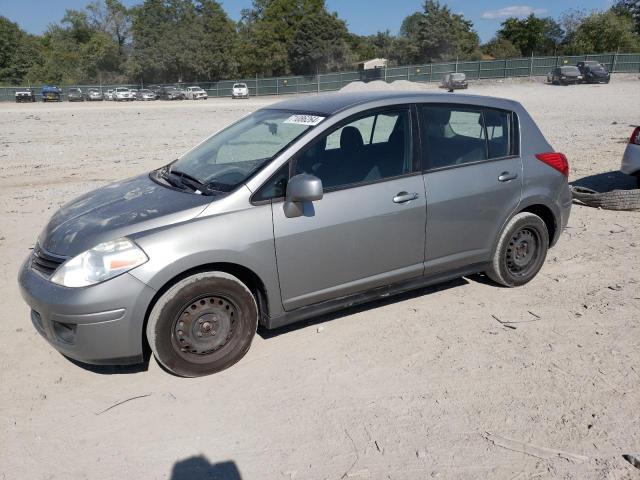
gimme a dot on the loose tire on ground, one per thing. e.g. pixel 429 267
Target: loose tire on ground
pixel 521 251
pixel 202 324
pixel 613 200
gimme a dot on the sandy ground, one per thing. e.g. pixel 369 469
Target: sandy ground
pixel 402 389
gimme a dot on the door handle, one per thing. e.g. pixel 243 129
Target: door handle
pixel 404 197
pixel 506 176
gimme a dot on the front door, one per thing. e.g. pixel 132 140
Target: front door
pixel 473 182
pixel 369 228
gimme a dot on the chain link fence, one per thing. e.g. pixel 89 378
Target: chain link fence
pixel 426 73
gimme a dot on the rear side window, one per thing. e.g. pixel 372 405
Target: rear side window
pixel 457 135
pixel 498 124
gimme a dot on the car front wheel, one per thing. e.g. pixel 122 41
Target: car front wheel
pixel 521 251
pixel 202 324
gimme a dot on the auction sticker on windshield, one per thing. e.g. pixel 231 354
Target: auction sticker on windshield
pixel 311 120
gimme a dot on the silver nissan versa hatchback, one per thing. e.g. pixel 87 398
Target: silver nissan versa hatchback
pixel 299 209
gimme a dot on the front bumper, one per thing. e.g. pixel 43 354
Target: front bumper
pixel 101 324
pixel 631 159
pixel 240 95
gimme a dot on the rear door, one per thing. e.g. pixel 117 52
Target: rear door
pixel 473 180
pixel 369 228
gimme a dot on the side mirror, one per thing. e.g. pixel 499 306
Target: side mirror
pixel 300 189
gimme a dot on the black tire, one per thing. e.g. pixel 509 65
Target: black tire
pixel 521 251
pixel 203 324
pixel 637 175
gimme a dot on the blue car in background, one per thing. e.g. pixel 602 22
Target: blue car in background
pixel 51 93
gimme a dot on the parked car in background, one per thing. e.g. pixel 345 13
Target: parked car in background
pixel 25 95
pixel 146 95
pixel 631 157
pixel 157 89
pixel 51 93
pixel 108 95
pixel 186 254
pixel 240 90
pixel 566 75
pixel 123 94
pixel 94 95
pixel 75 95
pixel 134 93
pixel 196 93
pixel 455 81
pixel 594 72
pixel 170 93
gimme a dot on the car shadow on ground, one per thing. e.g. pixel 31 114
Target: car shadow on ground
pixel 199 468
pixel 113 369
pixel 267 334
pixel 606 181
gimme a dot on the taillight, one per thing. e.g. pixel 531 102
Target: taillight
pixel 556 160
pixel 635 136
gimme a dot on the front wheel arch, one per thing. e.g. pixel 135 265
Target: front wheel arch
pixel 244 274
pixel 202 336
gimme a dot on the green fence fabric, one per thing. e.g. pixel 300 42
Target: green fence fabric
pixel 430 72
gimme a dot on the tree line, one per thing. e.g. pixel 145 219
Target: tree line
pixel 195 40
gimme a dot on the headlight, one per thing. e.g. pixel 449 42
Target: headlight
pixel 102 262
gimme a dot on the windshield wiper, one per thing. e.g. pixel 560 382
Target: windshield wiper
pixel 181 180
pixel 184 175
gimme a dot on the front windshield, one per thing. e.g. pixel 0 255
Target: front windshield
pixel 570 70
pixel 458 76
pixel 231 156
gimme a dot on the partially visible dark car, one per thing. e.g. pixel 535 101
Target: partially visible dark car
pixel 25 95
pixel 455 81
pixel 75 95
pixel 594 72
pixel 51 93
pixel 170 93
pixel 565 76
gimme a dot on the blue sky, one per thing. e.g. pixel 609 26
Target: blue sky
pixel 363 16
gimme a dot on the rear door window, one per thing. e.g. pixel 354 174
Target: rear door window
pixel 498 125
pixel 453 135
pixel 457 135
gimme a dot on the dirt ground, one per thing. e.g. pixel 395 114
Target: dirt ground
pixel 426 385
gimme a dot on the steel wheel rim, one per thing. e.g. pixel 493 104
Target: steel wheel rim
pixel 523 252
pixel 204 326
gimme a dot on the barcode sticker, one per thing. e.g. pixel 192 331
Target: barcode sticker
pixel 311 120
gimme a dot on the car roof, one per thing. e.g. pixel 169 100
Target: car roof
pixel 331 103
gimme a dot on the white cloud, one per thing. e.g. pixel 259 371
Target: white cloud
pixel 513 11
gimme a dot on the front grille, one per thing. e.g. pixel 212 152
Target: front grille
pixel 45 262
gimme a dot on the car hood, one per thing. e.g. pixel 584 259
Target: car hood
pixel 117 210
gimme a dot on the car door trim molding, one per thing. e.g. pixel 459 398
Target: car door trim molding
pixel 376 293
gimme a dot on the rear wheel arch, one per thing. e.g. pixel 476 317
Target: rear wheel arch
pixel 547 216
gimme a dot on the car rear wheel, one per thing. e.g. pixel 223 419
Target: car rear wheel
pixel 521 251
pixel 202 324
